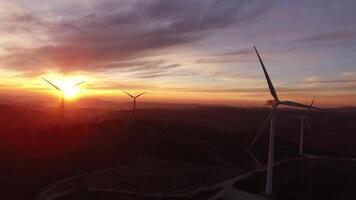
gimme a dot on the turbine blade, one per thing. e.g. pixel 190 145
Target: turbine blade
pixel 309 127
pixel 140 94
pixel 78 84
pixel 270 84
pixel 260 130
pixel 258 164
pixel 307 112
pixel 52 84
pixel 128 93
pixel 312 101
pixel 299 105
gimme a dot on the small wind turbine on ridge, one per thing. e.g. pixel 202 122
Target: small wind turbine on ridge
pixel 303 121
pixel 134 98
pixel 142 146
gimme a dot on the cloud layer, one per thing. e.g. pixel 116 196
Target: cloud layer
pixel 108 35
pixel 200 46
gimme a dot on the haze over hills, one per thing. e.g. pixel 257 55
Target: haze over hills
pixel 200 135
pixel 98 103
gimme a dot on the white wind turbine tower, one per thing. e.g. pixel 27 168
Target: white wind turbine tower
pixel 272 118
pixel 303 121
pixel 61 107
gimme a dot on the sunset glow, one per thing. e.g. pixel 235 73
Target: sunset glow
pixel 71 86
pixel 205 56
pixel 177 99
pixel 69 91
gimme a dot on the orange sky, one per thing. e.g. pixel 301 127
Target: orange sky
pixel 36 90
pixel 180 52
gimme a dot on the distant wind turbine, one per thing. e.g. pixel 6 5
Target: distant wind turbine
pixel 303 121
pixel 134 98
pixel 61 107
pixel 141 147
pixel 272 118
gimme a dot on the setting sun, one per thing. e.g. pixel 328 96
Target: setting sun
pixel 69 86
pixel 69 91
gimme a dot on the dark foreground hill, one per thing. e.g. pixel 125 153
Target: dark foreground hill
pixel 304 179
pixel 35 154
pixel 44 157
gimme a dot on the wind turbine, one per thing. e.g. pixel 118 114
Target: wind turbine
pixel 272 118
pixel 134 98
pixel 61 107
pixel 142 146
pixel 304 120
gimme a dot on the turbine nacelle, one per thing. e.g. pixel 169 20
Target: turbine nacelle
pixel 305 116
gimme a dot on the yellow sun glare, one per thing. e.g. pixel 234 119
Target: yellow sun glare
pixel 69 91
pixel 70 85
